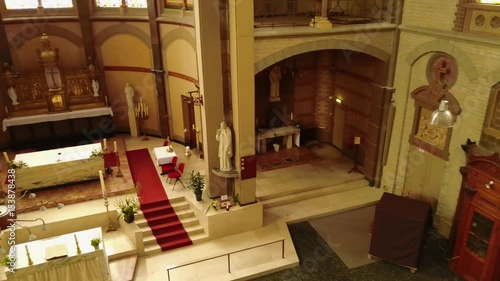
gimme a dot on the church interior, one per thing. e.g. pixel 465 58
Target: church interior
pixel 202 140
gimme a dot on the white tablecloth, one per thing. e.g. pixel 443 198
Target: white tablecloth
pixel 162 156
pixel 57 155
pixel 34 119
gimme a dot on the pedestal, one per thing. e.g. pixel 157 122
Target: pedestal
pixel 322 23
pixel 132 122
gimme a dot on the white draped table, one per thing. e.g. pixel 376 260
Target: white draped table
pixel 163 156
pixel 90 264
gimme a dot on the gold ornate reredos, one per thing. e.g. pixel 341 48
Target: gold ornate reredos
pixel 47 55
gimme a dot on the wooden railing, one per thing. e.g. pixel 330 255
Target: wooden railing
pixel 229 256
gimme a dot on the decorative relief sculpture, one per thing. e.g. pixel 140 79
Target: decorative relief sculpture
pixel 95 88
pixel 13 95
pixel 224 137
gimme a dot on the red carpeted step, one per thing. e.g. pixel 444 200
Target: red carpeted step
pixel 175 244
pixel 160 215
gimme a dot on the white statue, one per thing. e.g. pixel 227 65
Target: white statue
pixel 225 147
pixel 129 93
pixel 13 95
pixel 95 88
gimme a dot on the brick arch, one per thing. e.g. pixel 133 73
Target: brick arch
pixel 176 34
pixel 348 46
pixel 36 31
pixel 443 46
pixel 122 28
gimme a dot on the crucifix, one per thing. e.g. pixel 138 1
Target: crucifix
pixel 51 72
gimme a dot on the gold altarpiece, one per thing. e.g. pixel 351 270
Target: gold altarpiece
pixel 54 89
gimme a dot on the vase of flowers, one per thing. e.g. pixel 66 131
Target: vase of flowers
pixel 128 207
pixel 95 242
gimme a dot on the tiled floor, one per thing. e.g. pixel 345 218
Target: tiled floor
pixel 332 170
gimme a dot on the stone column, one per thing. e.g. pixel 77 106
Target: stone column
pixel 324 95
pixel 243 91
pixel 208 51
pixel 321 21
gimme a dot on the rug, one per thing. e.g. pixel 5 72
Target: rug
pixel 348 235
pixel 157 210
pixel 285 158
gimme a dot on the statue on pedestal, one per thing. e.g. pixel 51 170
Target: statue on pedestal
pixel 13 95
pixel 95 88
pixel 129 93
pixel 224 137
pixel 274 78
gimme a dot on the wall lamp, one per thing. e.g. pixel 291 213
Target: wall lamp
pixel 43 204
pixel 442 117
pixel 31 235
pixel 489 184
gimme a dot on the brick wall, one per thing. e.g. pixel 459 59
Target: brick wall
pixel 430 13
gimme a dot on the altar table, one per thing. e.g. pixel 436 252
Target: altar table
pixel 58 166
pixel 163 156
pixel 90 264
pixel 286 132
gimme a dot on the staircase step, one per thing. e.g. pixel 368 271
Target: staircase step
pixel 152 249
pixel 176 244
pixel 165 237
pixel 199 237
pixel 165 227
pixel 312 193
pixel 141 221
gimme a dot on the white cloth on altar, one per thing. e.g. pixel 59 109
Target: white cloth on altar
pixel 33 119
pixel 58 155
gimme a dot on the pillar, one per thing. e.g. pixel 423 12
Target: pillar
pixel 241 40
pixel 321 20
pixel 208 51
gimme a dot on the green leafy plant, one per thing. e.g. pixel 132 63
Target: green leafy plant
pixel 6 261
pixel 95 241
pixel 236 199
pixel 96 153
pixel 196 182
pixel 128 207
pixel 17 164
pixel 215 204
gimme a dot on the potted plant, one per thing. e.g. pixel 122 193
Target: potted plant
pixel 128 207
pixel 196 183
pixel 95 242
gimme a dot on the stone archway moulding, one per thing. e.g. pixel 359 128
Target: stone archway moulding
pixel 178 34
pixel 51 30
pixel 330 44
pixel 444 46
pixel 122 28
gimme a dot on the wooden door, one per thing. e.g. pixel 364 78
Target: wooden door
pixel 189 122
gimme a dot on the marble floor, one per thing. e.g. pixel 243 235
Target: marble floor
pixel 248 264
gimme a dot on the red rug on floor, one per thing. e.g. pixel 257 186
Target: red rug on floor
pixel 161 217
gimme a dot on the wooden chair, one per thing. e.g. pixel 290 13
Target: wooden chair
pixel 176 175
pixel 170 167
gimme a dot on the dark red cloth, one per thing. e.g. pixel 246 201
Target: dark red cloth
pixel 399 229
pixel 110 159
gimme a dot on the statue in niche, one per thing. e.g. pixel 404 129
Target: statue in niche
pixel 95 88
pixel 129 93
pixel 224 138
pixel 13 95
pixel 274 78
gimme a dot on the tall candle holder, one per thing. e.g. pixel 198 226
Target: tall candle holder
pixel 142 113
pixel 30 261
pixel 78 250
pixel 119 174
pixel 110 226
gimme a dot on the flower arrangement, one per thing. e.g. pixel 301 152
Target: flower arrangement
pixel 96 153
pixel 17 164
pixel 215 204
pixel 128 207
pixel 95 242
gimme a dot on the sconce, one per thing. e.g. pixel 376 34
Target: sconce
pixel 31 235
pixel 489 184
pixel 43 204
pixel 30 196
pixel 442 117
pixel 338 100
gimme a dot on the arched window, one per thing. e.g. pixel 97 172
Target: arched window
pixel 33 4
pixel 117 3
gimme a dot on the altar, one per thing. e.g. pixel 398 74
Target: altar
pixel 287 133
pixel 57 258
pixel 58 166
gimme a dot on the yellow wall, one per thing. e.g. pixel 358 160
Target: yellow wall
pixel 430 13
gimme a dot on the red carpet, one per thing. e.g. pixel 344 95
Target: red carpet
pixel 155 206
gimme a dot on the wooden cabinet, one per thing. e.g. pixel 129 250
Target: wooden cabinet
pixel 477 246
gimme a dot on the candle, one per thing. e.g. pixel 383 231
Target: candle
pixel 76 240
pixel 6 157
pixel 193 126
pixel 291 116
pixel 6 110
pixel 106 100
pixel 147 110
pixel 105 144
pixel 116 146
pixel 103 187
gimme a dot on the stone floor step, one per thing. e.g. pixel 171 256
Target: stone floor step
pixel 308 194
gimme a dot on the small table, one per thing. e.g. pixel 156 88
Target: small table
pixel 287 133
pixel 163 156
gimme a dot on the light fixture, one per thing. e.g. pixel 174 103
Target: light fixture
pixel 31 195
pixel 489 184
pixel 44 205
pixel 31 235
pixel 442 117
pixel 338 100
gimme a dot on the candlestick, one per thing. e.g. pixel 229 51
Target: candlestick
pixel 116 146
pixel 30 262
pixel 78 251
pixel 6 157
pixel 105 141
pixel 6 110
pixel 106 100
pixel 291 116
pixel 103 187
